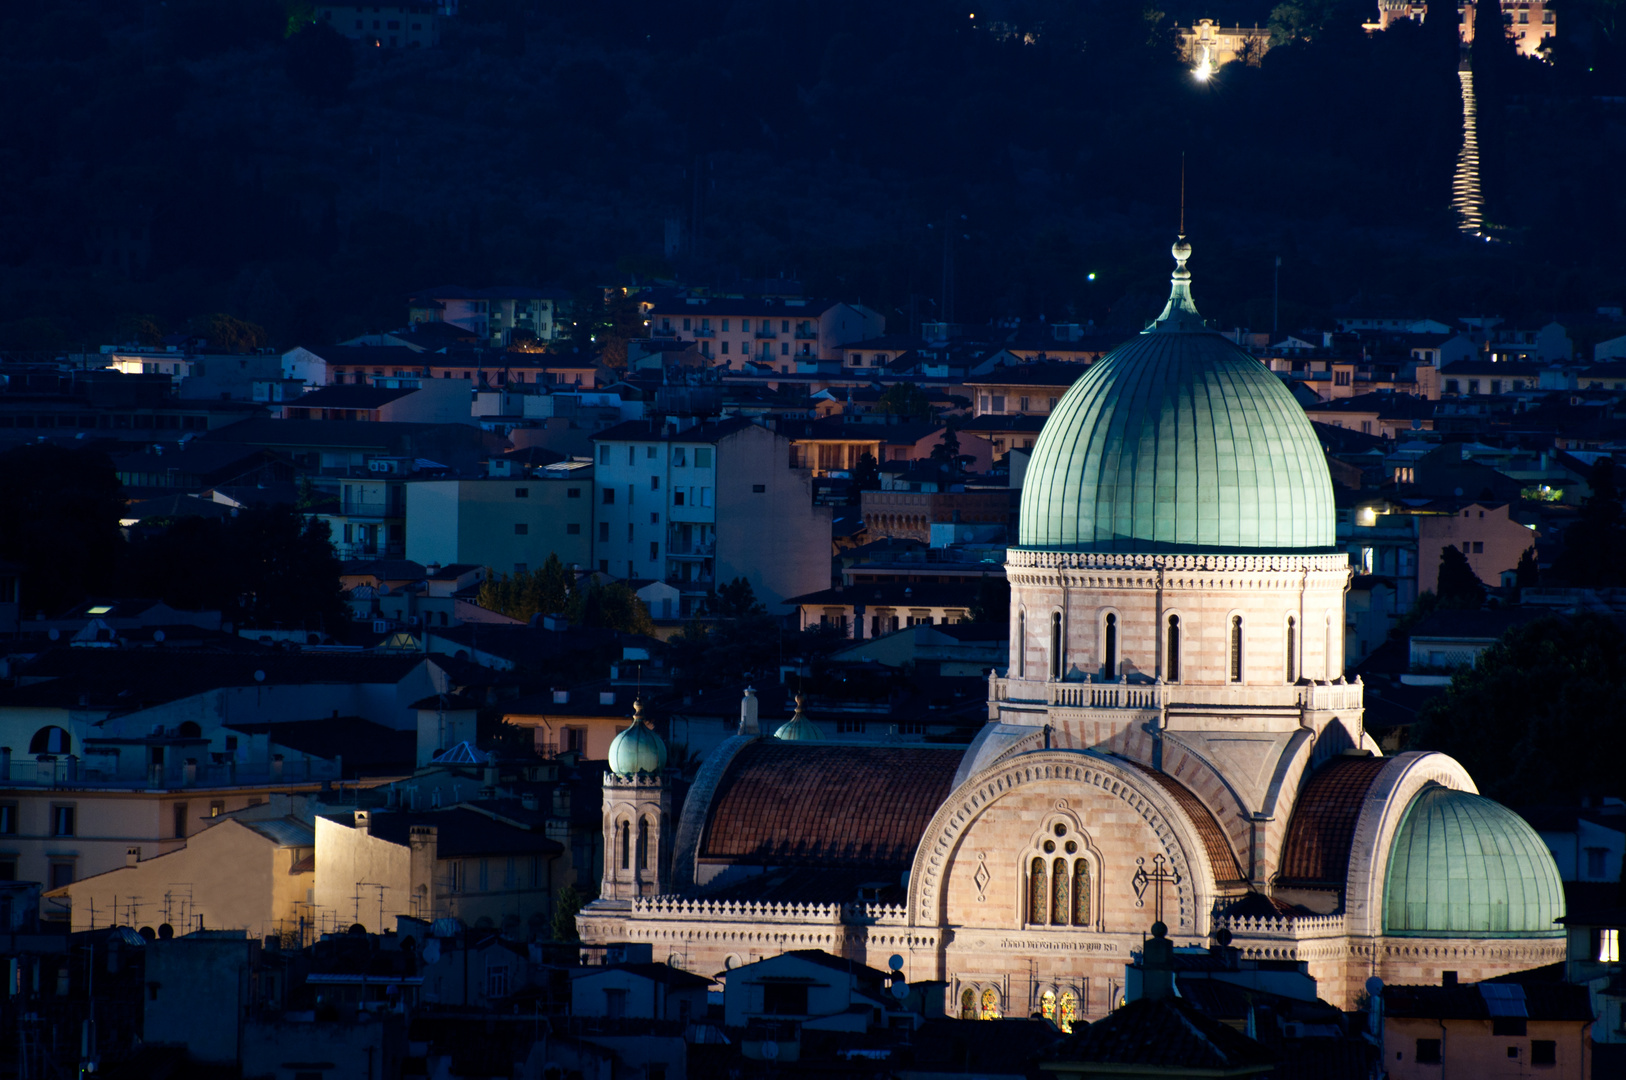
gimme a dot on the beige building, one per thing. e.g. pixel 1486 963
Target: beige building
pixel 509 524
pixel 238 873
pixel 777 332
pixel 459 862
pixel 1530 23
pixel 1206 47
pixel 1173 740
pixel 1492 541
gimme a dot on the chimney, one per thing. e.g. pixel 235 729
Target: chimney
pixel 528 800
pixel 363 821
pixel 1157 965
pixel 132 856
pixel 748 713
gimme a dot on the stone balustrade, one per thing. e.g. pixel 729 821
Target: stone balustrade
pixel 675 907
pixel 869 913
pixel 1298 928
pixel 1154 696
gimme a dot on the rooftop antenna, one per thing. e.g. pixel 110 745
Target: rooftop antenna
pixel 1182 193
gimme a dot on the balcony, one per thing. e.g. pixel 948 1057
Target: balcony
pixel 371 508
pixel 767 332
pixel 705 332
pixel 67 771
pixel 662 332
pixel 691 551
pixel 807 333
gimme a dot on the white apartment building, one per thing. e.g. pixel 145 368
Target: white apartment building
pixel 779 332
pixel 702 504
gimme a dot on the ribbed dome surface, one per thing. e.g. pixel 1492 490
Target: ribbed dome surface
pixel 1177 441
pixel 1462 865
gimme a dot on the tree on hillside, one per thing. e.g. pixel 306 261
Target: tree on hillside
pixel 60 523
pixel 611 607
pixel 227 333
pixel 320 63
pixel 737 600
pixel 544 591
pixel 1596 544
pixel 267 566
pixel 866 473
pixel 1459 587
pixel 1537 716
pixel 907 400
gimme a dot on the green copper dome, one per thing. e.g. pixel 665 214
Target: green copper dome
pixel 1177 441
pixel 637 749
pixel 1461 865
pixel 799 728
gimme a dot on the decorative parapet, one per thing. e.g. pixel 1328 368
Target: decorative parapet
pixel 679 908
pixel 1294 928
pixel 1335 562
pixel 637 780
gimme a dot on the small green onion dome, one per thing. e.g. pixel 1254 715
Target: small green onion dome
pixel 1178 441
pixel 1461 865
pixel 637 749
pixel 799 728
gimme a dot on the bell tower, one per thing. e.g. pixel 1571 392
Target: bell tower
pixel 637 814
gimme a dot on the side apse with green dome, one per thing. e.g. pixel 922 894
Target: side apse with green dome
pixel 1178 441
pixel 1462 865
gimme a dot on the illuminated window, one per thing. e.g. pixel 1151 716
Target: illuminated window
pixel 990 1005
pixel 1609 946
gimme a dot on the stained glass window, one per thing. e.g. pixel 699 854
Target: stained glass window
pixel 990 1005
pixel 1081 892
pixel 1066 1012
pixel 1047 1005
pixel 1058 900
pixel 1036 892
pixel 968 1004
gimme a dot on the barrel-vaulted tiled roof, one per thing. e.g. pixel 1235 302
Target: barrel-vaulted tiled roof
pixel 811 804
pixel 1316 851
pixel 1227 871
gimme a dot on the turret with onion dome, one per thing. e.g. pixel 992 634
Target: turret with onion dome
pixel 799 728
pixel 637 749
pixel 637 812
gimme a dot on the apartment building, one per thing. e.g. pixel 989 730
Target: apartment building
pixel 733 333
pixel 495 314
pixel 705 503
pixel 511 524
pixel 405 24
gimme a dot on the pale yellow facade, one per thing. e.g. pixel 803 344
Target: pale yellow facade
pixel 230 876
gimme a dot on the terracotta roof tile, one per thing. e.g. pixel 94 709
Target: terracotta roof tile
pixel 794 804
pixel 1316 851
pixel 1227 871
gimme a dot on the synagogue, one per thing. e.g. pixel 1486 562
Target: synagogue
pixel 1174 739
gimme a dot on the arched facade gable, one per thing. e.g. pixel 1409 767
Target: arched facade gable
pixel 1381 812
pixel 1193 898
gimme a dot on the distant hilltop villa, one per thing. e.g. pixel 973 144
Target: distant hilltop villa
pixel 1208 46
